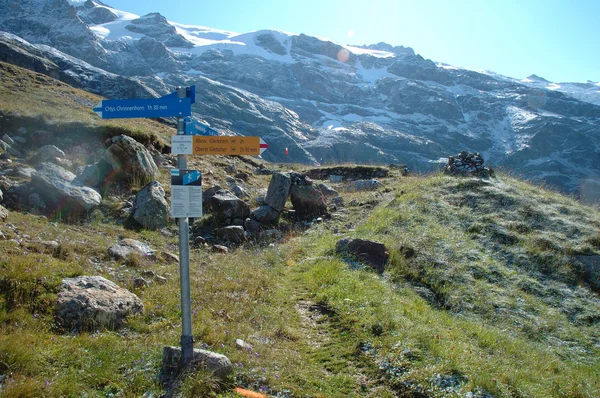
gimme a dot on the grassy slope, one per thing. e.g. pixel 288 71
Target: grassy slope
pixel 501 309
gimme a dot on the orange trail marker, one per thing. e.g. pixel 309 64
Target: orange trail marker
pixel 249 394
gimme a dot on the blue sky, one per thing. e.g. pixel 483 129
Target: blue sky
pixel 557 40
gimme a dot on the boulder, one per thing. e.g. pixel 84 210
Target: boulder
pixel 239 191
pixel 48 152
pixel 232 233
pixel 308 201
pixel 279 190
pixel 93 302
pixel 208 194
pixel 93 175
pixel 327 191
pixel 126 247
pixel 216 363
pixel 131 160
pixel 252 226
pixel 150 208
pixel 372 253
pixel 265 215
pixel 1 195
pixel 226 204
pixel 54 185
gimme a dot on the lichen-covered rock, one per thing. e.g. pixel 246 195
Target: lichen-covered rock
pixel 93 302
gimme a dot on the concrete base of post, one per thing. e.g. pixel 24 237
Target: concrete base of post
pixel 218 364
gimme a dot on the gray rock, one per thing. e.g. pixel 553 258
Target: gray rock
pixel 362 185
pixel 270 235
pixel 3 213
pixel 270 43
pixel 327 191
pixel 372 253
pixel 207 195
pixel 252 226
pixel 1 195
pixel 92 302
pixel 49 152
pixel 150 208
pixel 26 172
pixel 216 363
pixel 279 190
pixel 36 204
pixel 232 233
pixel 6 138
pixel 131 160
pixel 242 345
pixel 126 247
pixel 53 183
pixel 226 204
pixel 13 151
pixel 239 191
pixel 308 201
pixel 20 140
pixel 92 175
pixel 265 215
pixel 336 178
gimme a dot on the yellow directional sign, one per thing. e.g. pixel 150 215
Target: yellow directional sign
pixel 224 145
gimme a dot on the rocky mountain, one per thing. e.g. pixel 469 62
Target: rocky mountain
pixel 325 102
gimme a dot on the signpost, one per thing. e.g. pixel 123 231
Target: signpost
pixel 145 108
pixel 219 145
pixel 186 185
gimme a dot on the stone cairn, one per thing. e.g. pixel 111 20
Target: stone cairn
pixel 468 164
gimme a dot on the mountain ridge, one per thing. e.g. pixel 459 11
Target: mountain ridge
pixel 332 98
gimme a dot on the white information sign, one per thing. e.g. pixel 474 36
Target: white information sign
pixel 182 144
pixel 186 193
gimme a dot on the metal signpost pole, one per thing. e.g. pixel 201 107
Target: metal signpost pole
pixel 187 340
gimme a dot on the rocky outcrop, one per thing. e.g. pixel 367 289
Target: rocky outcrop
pixel 156 26
pixel 93 302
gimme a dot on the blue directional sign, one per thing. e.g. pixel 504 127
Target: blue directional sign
pixel 194 128
pixel 166 106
